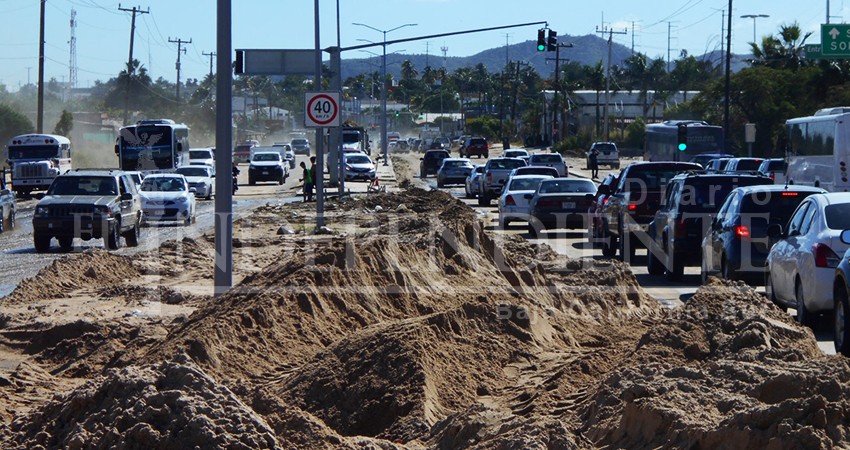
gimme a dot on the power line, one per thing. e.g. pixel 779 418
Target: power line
pixel 180 49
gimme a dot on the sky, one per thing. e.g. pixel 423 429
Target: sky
pixel 103 32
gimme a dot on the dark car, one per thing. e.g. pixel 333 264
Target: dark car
pixel 560 203
pixel 775 169
pixel 632 203
pixel 691 201
pixel 717 164
pixel 431 162
pixel 8 205
pixel 743 165
pixel 475 146
pixel 736 245
pixel 841 301
pixel 89 204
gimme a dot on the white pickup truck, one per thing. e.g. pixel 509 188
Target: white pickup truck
pixel 495 176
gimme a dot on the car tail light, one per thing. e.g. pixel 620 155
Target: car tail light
pixel 509 200
pixel 605 201
pixel 825 257
pixel 773 178
pixel 741 231
pixel 680 230
pixel 632 207
pixel 790 194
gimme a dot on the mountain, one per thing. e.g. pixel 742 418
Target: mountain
pixel 586 50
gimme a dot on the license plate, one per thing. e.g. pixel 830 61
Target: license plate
pixel 156 212
pixel 568 205
pixel 265 172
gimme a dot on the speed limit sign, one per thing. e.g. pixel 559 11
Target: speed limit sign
pixel 322 109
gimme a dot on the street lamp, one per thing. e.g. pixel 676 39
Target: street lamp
pixel 754 17
pixel 384 81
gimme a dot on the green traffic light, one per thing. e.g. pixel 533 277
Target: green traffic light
pixel 541 47
pixel 683 147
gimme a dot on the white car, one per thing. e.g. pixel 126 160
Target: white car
pixel 520 153
pixel 473 183
pixel 359 166
pixel 200 178
pixel 167 197
pixel 801 265
pixel 512 203
pixel 267 166
pixel 202 156
pixel 287 152
pixel 550 160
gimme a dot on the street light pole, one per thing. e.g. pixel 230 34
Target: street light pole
pixel 384 150
pixel 754 17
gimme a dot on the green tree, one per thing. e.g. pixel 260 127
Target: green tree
pixel 12 123
pixel 65 124
pixel 784 51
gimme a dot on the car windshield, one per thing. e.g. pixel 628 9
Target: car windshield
pixel 83 186
pixel 838 216
pixel 525 184
pixel 748 164
pixel 358 159
pixel 267 157
pixel 708 194
pixel 537 171
pixel 605 147
pixel 775 166
pixel 646 179
pixel 548 159
pixel 779 205
pixel 199 154
pixel 163 184
pixel 477 141
pixel 502 164
pixel 436 155
pixel 193 172
pixel 515 154
pixel 456 164
pixel 299 141
pixel 564 185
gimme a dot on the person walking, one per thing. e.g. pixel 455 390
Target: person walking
pixel 593 162
pixel 307 178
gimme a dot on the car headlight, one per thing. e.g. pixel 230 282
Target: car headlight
pixel 40 211
pixel 348 167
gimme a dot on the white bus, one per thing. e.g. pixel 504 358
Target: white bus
pixel 153 146
pixel 36 159
pixel 818 149
pixel 661 142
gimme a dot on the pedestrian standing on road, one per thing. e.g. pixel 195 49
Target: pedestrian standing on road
pixel 593 162
pixel 307 178
pixel 313 175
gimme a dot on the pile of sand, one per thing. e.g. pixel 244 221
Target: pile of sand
pixel 727 370
pixel 165 405
pixel 173 258
pixel 92 268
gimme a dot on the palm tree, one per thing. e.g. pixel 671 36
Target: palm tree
pixel 784 52
pixel 408 70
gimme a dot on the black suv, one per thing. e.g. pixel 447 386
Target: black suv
pixel 690 202
pixel 431 162
pixel 88 204
pixel 737 244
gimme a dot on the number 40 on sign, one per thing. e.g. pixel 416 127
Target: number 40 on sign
pixel 322 109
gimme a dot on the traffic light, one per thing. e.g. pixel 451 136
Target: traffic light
pixel 552 43
pixel 682 135
pixel 541 40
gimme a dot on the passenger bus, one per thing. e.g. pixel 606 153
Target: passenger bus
pixel 36 159
pixel 661 142
pixel 153 146
pixel 818 149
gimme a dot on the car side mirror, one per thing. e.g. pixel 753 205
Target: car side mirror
pixel 774 231
pixel 193 190
pixel 528 196
pixel 845 236
pixel 116 149
pixel 126 196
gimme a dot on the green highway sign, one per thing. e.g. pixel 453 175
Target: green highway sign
pixel 813 51
pixel 835 39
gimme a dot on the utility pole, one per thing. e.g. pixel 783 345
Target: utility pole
pixel 211 55
pixel 40 121
pixel 556 111
pixel 669 28
pixel 130 68
pixel 180 49
pixel 728 78
pixel 72 64
pixel 608 75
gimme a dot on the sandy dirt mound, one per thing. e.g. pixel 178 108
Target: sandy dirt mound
pixel 726 370
pixel 167 405
pixel 173 257
pixel 92 268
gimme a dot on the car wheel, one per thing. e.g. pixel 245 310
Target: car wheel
pixel 703 270
pixel 771 293
pixel 653 264
pixel 804 316
pixel 66 243
pixel 727 272
pixel 113 238
pixel 41 242
pixel 609 246
pixel 440 184
pixel 532 230
pixel 483 200
pixel 132 235
pixel 209 196
pixel 468 194
pixel 841 329
pixel 675 268
pixel 251 181
pixel 281 180
pixel 626 254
